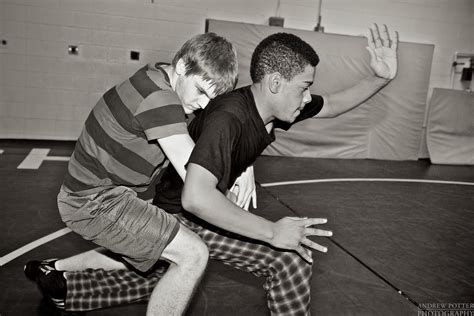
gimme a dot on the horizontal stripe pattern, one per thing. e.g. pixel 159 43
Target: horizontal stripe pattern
pixel 143 83
pixel 91 167
pixel 159 99
pixel 120 111
pixel 128 158
pixel 148 151
pixel 114 147
pixel 162 116
pixel 129 97
pixel 71 181
pixel 114 169
pixel 79 178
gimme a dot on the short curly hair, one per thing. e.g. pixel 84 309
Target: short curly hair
pixel 284 53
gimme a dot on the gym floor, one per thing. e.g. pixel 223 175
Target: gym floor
pixel 403 234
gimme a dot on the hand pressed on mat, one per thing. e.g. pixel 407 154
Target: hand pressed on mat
pixel 292 233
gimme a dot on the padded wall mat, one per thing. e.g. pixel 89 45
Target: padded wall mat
pixel 387 126
pixel 450 131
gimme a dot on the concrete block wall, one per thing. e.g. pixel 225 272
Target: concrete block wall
pixel 47 94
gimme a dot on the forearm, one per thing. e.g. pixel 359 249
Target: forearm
pixel 215 208
pixel 201 197
pixel 348 99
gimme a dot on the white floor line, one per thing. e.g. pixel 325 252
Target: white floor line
pixel 36 157
pixel 14 254
pixel 32 245
pixel 274 184
pixel 57 158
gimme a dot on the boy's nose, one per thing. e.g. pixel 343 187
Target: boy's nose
pixel 307 97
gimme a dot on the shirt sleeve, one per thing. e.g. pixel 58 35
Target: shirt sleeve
pixel 161 115
pixel 310 110
pixel 213 150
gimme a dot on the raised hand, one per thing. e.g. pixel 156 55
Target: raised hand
pixel 383 51
pixel 292 232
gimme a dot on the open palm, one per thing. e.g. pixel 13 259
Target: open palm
pixel 383 52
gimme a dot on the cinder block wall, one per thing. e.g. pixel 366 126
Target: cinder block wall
pixel 46 93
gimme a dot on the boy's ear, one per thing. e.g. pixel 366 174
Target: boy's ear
pixel 180 67
pixel 274 82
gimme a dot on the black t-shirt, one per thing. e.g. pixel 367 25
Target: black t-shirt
pixel 229 136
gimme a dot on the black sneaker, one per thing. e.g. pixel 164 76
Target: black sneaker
pixel 50 281
pixel 34 268
pixel 52 284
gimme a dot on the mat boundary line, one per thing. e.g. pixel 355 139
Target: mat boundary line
pixel 34 244
pixel 274 184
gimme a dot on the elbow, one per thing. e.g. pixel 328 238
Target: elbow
pixel 198 191
pixel 332 110
pixel 190 200
pixel 187 200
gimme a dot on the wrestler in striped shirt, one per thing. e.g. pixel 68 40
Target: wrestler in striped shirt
pixel 128 137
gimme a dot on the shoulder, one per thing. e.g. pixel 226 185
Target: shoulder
pixel 223 115
pixel 233 105
pixel 163 97
pixel 160 100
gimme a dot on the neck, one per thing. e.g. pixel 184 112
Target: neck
pixel 262 102
pixel 170 70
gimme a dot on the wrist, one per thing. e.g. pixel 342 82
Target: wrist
pixel 269 232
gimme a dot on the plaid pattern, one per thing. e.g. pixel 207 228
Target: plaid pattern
pixel 287 275
pixel 92 289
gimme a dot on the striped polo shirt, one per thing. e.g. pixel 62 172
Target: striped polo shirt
pixel 116 146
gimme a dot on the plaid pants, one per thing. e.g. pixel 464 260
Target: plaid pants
pixel 287 275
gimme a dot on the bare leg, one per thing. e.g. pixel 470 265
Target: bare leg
pixel 188 257
pixel 93 259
